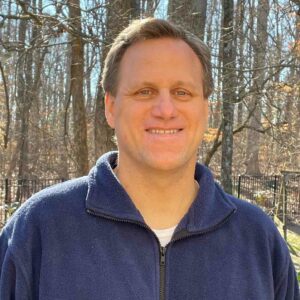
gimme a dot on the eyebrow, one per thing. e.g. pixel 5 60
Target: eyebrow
pixel 151 84
pixel 185 83
pixel 143 83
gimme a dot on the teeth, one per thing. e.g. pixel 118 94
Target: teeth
pixel 161 131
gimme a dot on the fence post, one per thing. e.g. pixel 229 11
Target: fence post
pixel 5 199
pixel 284 208
pixel 275 189
pixel 6 190
pixel 239 186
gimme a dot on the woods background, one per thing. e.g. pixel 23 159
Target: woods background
pixel 52 122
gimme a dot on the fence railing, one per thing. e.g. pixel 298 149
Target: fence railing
pixel 275 194
pixel 13 192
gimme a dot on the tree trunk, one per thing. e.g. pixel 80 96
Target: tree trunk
pixel 23 103
pixel 210 26
pixel 228 70
pixel 260 47
pixel 296 84
pixel 190 14
pixel 64 120
pixel 148 7
pixel 217 114
pixel 240 35
pixel 76 92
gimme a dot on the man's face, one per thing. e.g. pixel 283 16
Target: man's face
pixel 159 112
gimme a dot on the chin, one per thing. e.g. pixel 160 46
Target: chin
pixel 169 162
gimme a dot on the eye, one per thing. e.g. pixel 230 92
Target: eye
pixel 145 93
pixel 182 93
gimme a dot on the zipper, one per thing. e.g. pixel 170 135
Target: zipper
pixel 162 272
pixel 162 250
pixel 162 265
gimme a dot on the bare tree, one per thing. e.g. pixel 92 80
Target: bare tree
pixel 76 91
pixel 228 69
pixel 240 43
pixel 37 57
pixel 260 46
pixel 24 100
pixel 190 14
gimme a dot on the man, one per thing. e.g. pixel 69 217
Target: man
pixel 147 222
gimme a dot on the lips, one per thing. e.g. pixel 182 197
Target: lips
pixel 162 131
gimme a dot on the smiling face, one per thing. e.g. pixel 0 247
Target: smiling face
pixel 159 112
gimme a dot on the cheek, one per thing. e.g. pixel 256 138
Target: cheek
pixel 126 125
pixel 198 115
pixel 203 115
pixel 136 115
pixel 199 122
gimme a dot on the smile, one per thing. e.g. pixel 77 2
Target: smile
pixel 163 131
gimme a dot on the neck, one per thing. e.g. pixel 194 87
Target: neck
pixel 162 198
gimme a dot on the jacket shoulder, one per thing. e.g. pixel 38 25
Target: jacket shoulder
pixel 50 202
pixel 254 224
pixel 261 234
pixel 249 214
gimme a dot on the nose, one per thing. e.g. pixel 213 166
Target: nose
pixel 164 106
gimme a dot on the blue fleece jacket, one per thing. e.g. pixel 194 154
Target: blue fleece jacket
pixel 84 239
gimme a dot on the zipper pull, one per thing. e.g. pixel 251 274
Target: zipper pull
pixel 162 256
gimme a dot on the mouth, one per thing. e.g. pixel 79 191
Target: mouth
pixel 163 131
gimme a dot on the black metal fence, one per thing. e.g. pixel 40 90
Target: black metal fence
pixel 14 192
pixel 275 194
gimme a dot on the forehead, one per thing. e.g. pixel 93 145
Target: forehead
pixel 160 60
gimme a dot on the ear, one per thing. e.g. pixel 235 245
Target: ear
pixel 109 102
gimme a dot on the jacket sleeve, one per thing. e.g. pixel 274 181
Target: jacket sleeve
pixel 13 285
pixel 287 288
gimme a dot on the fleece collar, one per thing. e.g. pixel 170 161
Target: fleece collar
pixel 107 197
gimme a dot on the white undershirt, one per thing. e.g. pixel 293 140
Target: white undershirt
pixel 164 235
